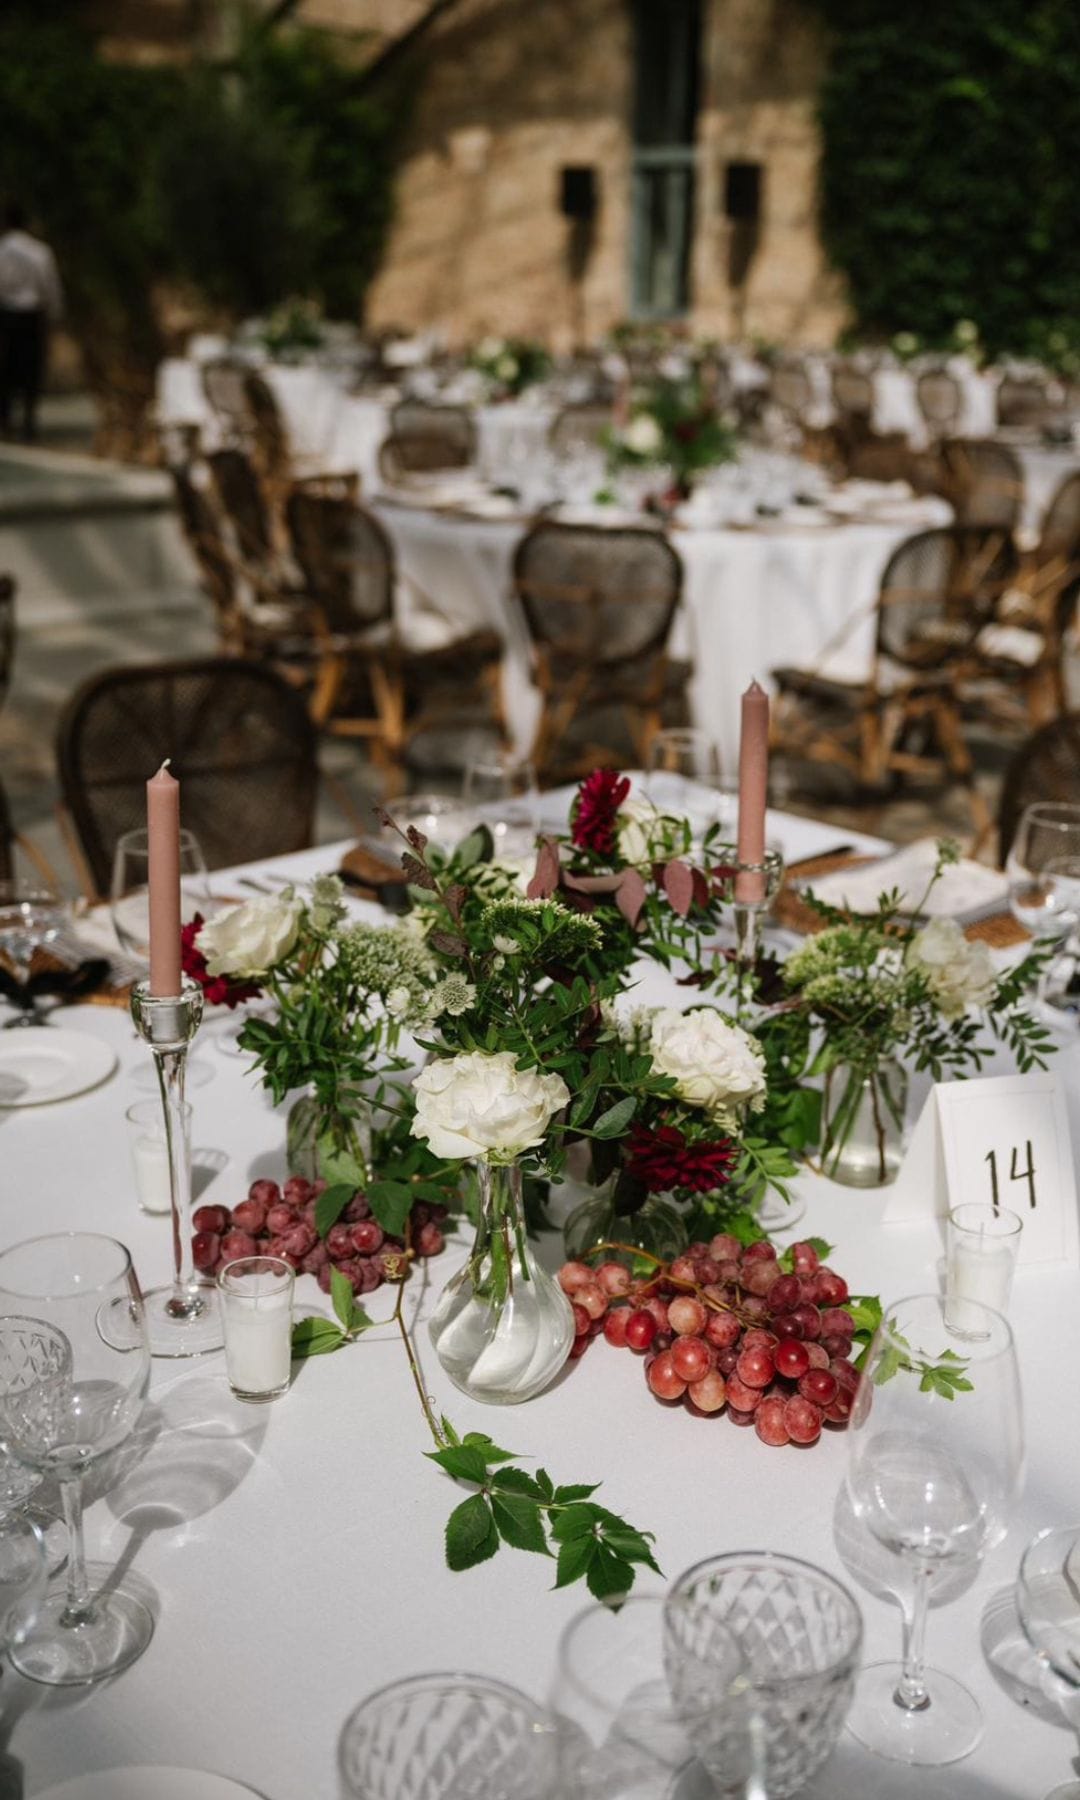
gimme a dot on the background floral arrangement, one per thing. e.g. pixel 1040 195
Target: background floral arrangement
pixel 673 424
pixel 510 365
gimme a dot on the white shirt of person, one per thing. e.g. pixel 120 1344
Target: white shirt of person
pixel 29 280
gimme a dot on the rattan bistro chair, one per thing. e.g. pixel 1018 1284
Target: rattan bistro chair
pixel 985 482
pixel 904 718
pixel 1046 767
pixel 449 431
pixel 853 394
pixel 940 399
pixel 369 683
pixel 224 383
pixel 238 737
pixel 599 603
pixel 1022 402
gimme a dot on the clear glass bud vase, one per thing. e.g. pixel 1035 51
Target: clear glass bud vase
pixel 863 1123
pixel 503 1327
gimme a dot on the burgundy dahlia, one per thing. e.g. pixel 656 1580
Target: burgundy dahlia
pixel 599 798
pixel 661 1158
pixel 219 990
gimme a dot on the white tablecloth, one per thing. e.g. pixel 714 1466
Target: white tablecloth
pixel 752 600
pixel 295 1551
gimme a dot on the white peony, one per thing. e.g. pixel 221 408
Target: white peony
pixel 958 973
pixel 714 1065
pixel 643 435
pixel 483 1105
pixel 248 939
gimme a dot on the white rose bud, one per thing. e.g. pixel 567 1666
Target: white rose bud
pixel 638 831
pixel 643 435
pixel 248 939
pixel 483 1105
pixel 714 1065
pixel 958 973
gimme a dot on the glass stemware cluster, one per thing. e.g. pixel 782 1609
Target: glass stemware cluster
pixel 1043 867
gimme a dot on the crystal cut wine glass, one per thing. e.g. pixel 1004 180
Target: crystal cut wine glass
pixel 1048 1600
pixel 449 1737
pixel 799 1632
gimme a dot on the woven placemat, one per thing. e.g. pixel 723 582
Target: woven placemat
pixel 1001 931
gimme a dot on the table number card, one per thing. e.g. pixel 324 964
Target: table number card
pixel 1003 1140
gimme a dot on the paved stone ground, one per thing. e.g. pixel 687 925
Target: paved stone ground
pixel 52 656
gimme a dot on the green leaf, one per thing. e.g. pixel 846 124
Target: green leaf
pixel 574 1522
pixel 544 1482
pixel 564 1495
pixel 451 1436
pixel 341 1295
pixel 478 847
pixel 340 1167
pixel 330 1205
pixel 358 1319
pixel 490 1452
pixel 518 1522
pixel 316 1337
pixel 516 1481
pixel 608 1576
pixel 391 1202
pixel 471 1536
pixel 461 1461
pixel 631 1545
pixel 574 1559
pixel 614 1122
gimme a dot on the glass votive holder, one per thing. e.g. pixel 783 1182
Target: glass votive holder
pixel 445 1737
pixel 256 1313
pixel 982 1243
pixel 150 1153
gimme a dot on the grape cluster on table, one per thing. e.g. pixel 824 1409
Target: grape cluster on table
pixel 276 1221
pixel 724 1327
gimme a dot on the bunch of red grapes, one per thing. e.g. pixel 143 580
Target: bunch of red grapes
pixel 725 1326
pixel 276 1221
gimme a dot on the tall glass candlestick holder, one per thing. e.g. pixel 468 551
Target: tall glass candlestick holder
pixel 183 1319
pixel 750 888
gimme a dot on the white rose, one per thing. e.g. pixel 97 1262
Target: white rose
pixel 643 435
pixel 248 939
pixel 714 1065
pixel 958 973
pixel 506 368
pixel 489 348
pixel 476 1104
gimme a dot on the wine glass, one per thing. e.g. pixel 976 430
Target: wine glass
pixel 936 1452
pixel 1048 1600
pixel 23 1574
pixel 129 897
pixel 684 778
pixel 31 914
pixel 445 1737
pixel 505 796
pixel 1043 868
pixel 74 1370
pixel 765 1723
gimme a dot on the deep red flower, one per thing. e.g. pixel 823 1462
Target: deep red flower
pixel 661 1158
pixel 218 989
pixel 599 798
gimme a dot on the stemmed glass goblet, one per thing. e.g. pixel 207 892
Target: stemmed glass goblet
pixel 684 778
pixel 31 913
pixel 129 895
pixel 936 1451
pixel 505 795
pixel 1043 867
pixel 74 1370
pixel 1048 1601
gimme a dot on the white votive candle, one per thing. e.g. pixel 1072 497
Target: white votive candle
pixel 256 1311
pixel 150 1153
pixel 982 1244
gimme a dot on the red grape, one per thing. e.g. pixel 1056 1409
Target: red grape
pixel 725 1248
pixel 573 1275
pixel 339 1242
pixel 640 1329
pixel 787 1325
pixel 792 1359
pixel 592 1298
pixel 316 1259
pixel 613 1279
pixel 835 1320
pixel 761 1249
pixel 758 1339
pixel 582 1321
pixel 760 1277
pixel 832 1289
pixel 741 1396
pixel 722 1329
pixel 809 1318
pixel 211 1218
pixel 770 1422
pixel 736 1416
pixel 279 1218
pixel 297 1191
pixel 846 1373
pixel 785 1293
pixel 839 1412
pixel 236 1244
pixel 682 1269
pixel 691 1358
pixel 709 1393
pixel 686 1315
pixel 250 1215
pixel 429 1239
pixel 579 1346
pixel 756 1368
pixel 205 1249
pixel 614 1325
pixel 804 1259
pixel 267 1193
pixel 653 1304
pixel 367 1237
pixel 820 1386
pixel 819 1356
pixel 727 1359
pixel 802 1420
pixel 663 1378
pixel 356 1210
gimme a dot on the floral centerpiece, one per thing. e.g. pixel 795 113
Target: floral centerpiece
pixel 673 424
pixel 867 996
pixel 510 365
pixel 293 329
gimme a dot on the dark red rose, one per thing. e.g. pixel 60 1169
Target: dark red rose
pixel 599 798
pixel 219 990
pixel 661 1158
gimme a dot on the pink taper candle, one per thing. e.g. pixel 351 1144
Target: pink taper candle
pixel 753 786
pixel 163 836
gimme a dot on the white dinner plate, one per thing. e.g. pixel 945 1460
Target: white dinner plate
pixel 150 1782
pixel 41 1063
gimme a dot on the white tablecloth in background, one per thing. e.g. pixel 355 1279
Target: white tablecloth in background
pixel 752 600
pixel 295 1550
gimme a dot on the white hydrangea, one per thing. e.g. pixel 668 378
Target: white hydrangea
pixel 714 1064
pixel 959 973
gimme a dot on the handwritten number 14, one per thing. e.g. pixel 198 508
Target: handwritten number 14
pixel 1027 1173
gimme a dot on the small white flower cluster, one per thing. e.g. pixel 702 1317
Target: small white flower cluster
pixel 483 1105
pixel 958 973
pixel 392 964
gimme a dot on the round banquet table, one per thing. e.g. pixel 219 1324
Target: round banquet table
pixel 293 1553
pixel 793 593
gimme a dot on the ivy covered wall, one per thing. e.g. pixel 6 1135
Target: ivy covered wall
pixel 951 167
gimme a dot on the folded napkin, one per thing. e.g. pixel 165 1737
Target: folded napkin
pixel 967 890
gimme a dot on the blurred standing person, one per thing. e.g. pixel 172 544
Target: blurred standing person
pixel 30 301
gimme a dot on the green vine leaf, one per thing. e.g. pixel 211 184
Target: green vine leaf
pixel 330 1205
pixel 471 1536
pixel 316 1337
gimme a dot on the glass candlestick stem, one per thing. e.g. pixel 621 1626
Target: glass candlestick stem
pixel 184 1318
